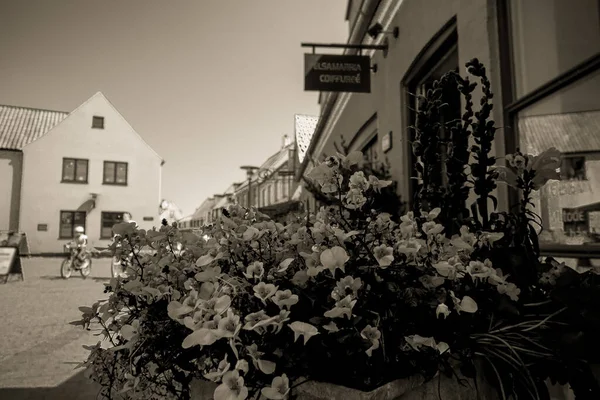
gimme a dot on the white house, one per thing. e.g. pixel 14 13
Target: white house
pixel 87 170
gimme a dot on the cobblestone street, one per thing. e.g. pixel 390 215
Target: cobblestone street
pixel 39 350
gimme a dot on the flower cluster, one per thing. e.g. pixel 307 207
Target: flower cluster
pixel 350 296
pixel 259 305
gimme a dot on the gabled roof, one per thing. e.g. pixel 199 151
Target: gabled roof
pixel 273 163
pixel 20 126
pixel 305 128
pixel 205 207
pixel 569 133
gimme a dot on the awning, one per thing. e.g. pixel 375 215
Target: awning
pixel 276 211
pixel 87 206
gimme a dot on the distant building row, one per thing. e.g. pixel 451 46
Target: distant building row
pixel 270 187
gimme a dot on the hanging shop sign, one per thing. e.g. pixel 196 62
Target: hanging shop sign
pixel 337 73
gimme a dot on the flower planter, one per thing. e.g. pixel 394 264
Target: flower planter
pixel 402 389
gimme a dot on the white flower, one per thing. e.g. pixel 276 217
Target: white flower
pixel 373 335
pixel 377 185
pixel 446 270
pixel 467 304
pixel 266 367
pixel 131 332
pixel 285 299
pixel 334 258
pixel 232 387
pixel 488 238
pixel 264 291
pixel 255 270
pixel 417 342
pixel 430 228
pixel 229 326
pixel 358 181
pixel 480 270
pixel 443 310
pixel 342 308
pixel 331 327
pixel 355 199
pixel 303 329
pixel 253 319
pixel 345 285
pixel 251 233
pixel 222 368
pixel 384 255
pixel 242 366
pixel 280 387
pixel 509 289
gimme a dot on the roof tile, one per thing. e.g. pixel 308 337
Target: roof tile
pixel 20 126
pixel 305 128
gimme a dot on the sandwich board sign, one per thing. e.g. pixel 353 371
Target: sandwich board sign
pixel 9 263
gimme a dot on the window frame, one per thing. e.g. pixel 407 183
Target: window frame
pixel 72 212
pixel 511 107
pixel 115 183
pixel 371 144
pixel 102 214
pixel 97 118
pixel 75 160
pixel 436 51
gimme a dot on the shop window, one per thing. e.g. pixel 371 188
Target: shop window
pixel 555 59
pixel 108 220
pixel 69 220
pixel 370 150
pixel 115 173
pixel 74 170
pixel 550 37
pixel 439 57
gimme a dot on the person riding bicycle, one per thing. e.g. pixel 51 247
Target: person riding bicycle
pixel 128 218
pixel 80 241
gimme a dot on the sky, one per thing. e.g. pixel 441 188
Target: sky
pixel 210 84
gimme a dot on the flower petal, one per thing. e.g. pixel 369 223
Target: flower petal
pixel 201 337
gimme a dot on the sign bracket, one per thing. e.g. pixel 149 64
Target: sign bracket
pixel 383 47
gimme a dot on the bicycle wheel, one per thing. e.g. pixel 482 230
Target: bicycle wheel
pixel 65 269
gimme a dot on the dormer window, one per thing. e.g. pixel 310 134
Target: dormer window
pixel 98 122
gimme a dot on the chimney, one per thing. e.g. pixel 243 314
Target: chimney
pixel 285 141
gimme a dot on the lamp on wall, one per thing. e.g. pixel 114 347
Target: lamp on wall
pixel 377 30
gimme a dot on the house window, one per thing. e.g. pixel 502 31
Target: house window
pixel 74 170
pixel 69 220
pixel 553 102
pixel 439 57
pixel 98 122
pixel 108 220
pixel 370 150
pixel 115 173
